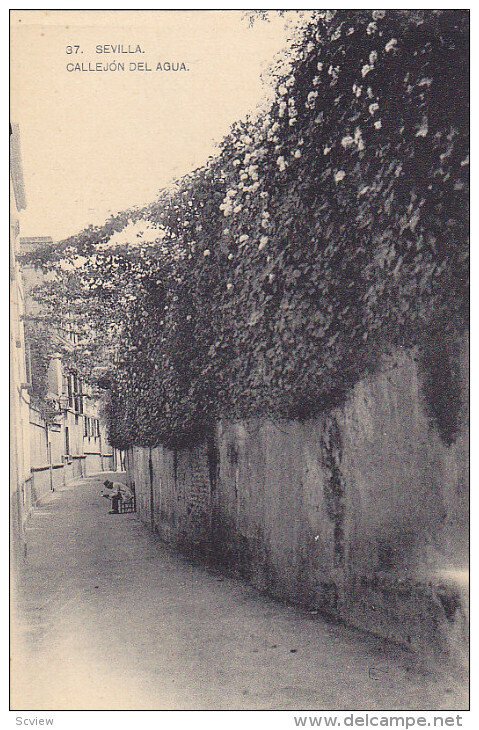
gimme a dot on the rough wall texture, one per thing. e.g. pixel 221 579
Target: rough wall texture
pixel 361 514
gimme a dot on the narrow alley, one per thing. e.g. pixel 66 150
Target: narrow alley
pixel 106 617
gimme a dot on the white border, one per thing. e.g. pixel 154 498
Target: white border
pixel 205 719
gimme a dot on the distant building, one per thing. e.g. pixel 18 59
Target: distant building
pixel 60 437
pixel 71 441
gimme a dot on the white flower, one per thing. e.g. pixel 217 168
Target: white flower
pixel 357 90
pixel 238 208
pixel 326 150
pixel 340 175
pixel 243 238
pixel 319 66
pixel 333 71
pixel 364 190
pixel 312 96
pixel 282 108
pixel 378 124
pixel 390 45
pixel 281 163
pixel 292 122
pixel 366 69
pixel 226 231
pixel 282 90
pixel 358 139
pixel 373 108
pixel 373 57
pixel 262 242
pixel 236 163
pixel 206 252
pixel 347 141
pixel 229 285
pixel 230 257
pixel 372 28
pixel 423 129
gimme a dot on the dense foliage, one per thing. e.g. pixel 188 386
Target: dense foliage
pixel 326 231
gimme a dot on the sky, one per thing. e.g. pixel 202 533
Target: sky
pixel 94 143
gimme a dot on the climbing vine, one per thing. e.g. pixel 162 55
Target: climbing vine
pixel 327 230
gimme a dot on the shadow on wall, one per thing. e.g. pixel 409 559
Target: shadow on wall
pixel 443 391
pixel 361 514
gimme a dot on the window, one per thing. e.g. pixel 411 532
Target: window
pixel 70 390
pixel 80 397
pixel 75 391
pixel 28 363
pixel 67 441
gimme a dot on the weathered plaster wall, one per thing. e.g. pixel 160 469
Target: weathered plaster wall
pixel 361 514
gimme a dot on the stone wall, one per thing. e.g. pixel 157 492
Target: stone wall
pixel 361 514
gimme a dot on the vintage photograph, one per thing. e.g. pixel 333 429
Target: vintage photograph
pixel 239 360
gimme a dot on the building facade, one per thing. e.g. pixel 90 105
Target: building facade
pixel 20 471
pixel 68 441
pixel 61 436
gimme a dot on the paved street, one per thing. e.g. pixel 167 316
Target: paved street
pixel 108 618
